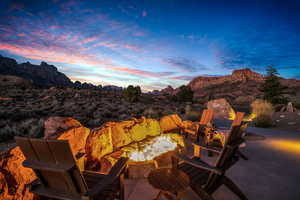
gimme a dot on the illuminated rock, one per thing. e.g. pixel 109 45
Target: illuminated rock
pixel 56 125
pixel 170 123
pixel 221 108
pixel 14 177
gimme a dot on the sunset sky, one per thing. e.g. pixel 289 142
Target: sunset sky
pixel 152 43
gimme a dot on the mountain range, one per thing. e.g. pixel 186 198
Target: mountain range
pixel 240 86
pixel 43 75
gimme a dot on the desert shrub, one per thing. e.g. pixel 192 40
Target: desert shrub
pixel 262 112
pixel 131 93
pixel 185 94
pixel 192 115
pixel 296 103
pixel 30 128
pixel 241 100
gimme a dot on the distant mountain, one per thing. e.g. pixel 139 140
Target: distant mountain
pixel 241 87
pixel 43 75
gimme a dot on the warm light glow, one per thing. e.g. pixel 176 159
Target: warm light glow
pixel 286 145
pixel 231 114
pixel 250 117
pixel 156 147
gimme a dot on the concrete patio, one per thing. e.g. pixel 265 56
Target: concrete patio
pixel 272 171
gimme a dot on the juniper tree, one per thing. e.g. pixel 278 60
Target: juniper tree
pixel 132 93
pixel 185 94
pixel 272 88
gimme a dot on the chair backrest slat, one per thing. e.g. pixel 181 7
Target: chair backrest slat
pixel 43 151
pixel 26 148
pixel 234 135
pixel 54 153
pixel 206 116
pixel 59 146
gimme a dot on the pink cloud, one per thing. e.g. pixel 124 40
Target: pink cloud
pixel 139 33
pixel 144 13
pixel 53 27
pixel 183 78
pixel 138 72
pixel 21 34
pixel 131 47
pixel 88 40
pixel 54 54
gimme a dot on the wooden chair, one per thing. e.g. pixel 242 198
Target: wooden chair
pixel 215 139
pixel 211 177
pixel 60 176
pixel 199 129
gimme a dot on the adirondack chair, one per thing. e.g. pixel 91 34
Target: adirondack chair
pixel 210 178
pixel 60 176
pixel 200 126
pixel 216 140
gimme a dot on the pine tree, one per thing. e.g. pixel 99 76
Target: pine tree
pixel 272 88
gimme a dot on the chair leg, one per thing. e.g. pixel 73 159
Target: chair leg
pixel 242 155
pixel 234 188
pixel 122 189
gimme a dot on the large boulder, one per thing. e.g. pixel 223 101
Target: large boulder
pixel 56 125
pixel 14 177
pixel 170 123
pixel 106 144
pixel 221 108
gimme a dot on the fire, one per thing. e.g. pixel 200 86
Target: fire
pixel 158 146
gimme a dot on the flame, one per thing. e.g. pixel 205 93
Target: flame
pixel 250 117
pixel 231 114
pixel 158 146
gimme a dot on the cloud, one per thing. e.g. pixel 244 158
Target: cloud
pixel 185 64
pixel 54 54
pixel 144 13
pixel 131 47
pixel 139 33
pixel 183 78
pixel 140 72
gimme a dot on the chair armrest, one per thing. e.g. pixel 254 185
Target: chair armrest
pixel 80 159
pixel 208 148
pixel 198 163
pixel 114 173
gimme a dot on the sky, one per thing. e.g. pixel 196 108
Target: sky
pixel 152 43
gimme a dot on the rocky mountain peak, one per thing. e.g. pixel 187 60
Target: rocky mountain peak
pixel 42 75
pixel 246 74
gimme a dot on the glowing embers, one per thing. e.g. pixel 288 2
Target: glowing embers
pixel 154 148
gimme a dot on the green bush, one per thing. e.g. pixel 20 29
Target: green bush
pixel 296 103
pixel 185 94
pixel 132 94
pixel 262 112
pixel 263 121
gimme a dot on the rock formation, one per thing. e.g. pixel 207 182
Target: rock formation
pixel 221 108
pixel 8 81
pixel 241 75
pixel 241 83
pixel 42 75
pixel 103 147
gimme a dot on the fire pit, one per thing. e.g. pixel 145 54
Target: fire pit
pixel 151 154
pixel 157 146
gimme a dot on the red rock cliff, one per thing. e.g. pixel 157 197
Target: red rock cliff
pixel 240 75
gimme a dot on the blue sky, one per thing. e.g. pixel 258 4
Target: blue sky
pixel 152 43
